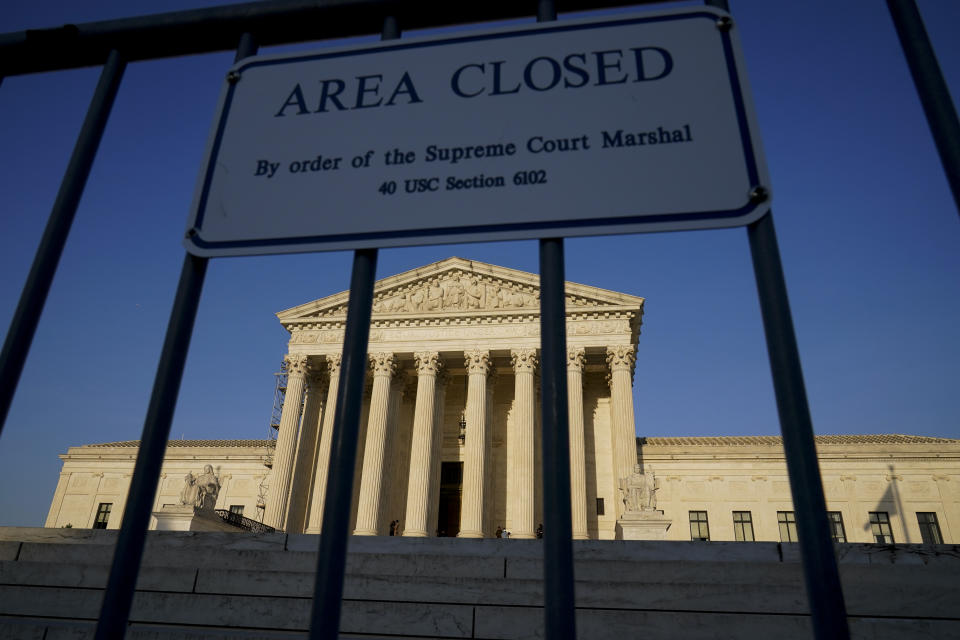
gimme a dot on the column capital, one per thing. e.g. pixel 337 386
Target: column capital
pixel 297 364
pixel 383 364
pixel 333 364
pixel 524 360
pixel 621 358
pixel 428 363
pixel 576 358
pixel 477 361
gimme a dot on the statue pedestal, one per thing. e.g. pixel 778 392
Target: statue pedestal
pixel 187 518
pixel 643 525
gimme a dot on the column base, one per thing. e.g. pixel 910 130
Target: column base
pixel 364 532
pixel 414 534
pixel 522 536
pixel 581 536
pixel 470 534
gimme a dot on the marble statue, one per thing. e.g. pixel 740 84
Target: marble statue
pixel 201 491
pixel 639 491
pixel 188 495
pixel 208 488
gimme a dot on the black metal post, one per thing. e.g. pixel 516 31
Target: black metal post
pixel 933 91
pixel 827 609
pixel 560 614
pixel 35 290
pixel 335 525
pixel 118 596
pixel 559 608
pixel 332 556
pixel 828 612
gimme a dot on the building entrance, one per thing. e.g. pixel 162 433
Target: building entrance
pixel 451 485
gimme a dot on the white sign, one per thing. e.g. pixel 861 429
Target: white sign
pixel 639 123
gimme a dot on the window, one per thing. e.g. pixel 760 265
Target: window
pixel 929 527
pixel 103 515
pixel 699 529
pixel 788 526
pixel 743 526
pixel 599 506
pixel 237 509
pixel 837 532
pixel 880 526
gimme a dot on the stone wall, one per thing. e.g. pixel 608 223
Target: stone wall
pixel 218 585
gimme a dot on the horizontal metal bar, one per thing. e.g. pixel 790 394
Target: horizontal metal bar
pixel 180 33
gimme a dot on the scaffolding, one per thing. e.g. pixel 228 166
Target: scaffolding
pixel 279 396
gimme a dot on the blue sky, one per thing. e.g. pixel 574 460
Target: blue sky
pixel 868 231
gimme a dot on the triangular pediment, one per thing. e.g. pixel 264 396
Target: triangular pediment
pixel 459 286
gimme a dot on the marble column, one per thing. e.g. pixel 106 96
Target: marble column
pixel 319 493
pixel 620 360
pixel 422 445
pixel 521 474
pixel 306 456
pixel 438 412
pixel 276 511
pixel 371 481
pixel 578 461
pixel 477 362
pixel 393 476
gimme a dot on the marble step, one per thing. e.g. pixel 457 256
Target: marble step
pixel 508 624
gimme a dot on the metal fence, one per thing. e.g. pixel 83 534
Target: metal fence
pixel 113 44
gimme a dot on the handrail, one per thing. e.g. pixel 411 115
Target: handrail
pixel 238 520
pixel 180 33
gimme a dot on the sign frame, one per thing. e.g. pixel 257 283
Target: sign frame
pixel 755 201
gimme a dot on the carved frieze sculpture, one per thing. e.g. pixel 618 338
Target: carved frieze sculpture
pixel 456 292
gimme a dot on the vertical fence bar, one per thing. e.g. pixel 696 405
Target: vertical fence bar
pixel 558 588
pixel 827 609
pixel 118 596
pixel 335 524
pixel 560 615
pixel 828 612
pixel 332 555
pixel 35 290
pixel 934 94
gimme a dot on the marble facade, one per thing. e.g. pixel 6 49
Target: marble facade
pixel 457 342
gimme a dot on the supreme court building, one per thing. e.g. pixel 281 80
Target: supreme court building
pixel 450 432
pixel 451 427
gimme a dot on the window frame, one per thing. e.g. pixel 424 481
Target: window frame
pixel 601 509
pixel 702 525
pixel 879 520
pixel 836 523
pixel 739 527
pixel 787 521
pixel 930 527
pixel 102 519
